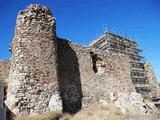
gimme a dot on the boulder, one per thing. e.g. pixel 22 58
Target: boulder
pixel 55 103
pixel 133 103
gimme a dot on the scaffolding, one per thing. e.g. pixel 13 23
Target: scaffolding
pixel 120 44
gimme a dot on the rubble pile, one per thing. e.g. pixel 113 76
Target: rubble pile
pixel 133 104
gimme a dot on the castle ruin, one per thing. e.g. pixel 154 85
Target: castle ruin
pixel 50 73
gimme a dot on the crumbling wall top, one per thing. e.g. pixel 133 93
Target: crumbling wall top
pixel 36 8
pixel 34 13
pixel 39 8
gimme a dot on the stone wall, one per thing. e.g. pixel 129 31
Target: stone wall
pixel 69 77
pixel 84 76
pixel 87 75
pixel 4 69
pixel 33 74
pixel 154 85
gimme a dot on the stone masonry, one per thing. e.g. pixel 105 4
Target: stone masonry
pixel 80 84
pixel 33 72
pixel 154 85
pixel 50 73
pixel 4 69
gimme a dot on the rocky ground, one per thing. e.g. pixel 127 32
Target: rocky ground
pixel 119 106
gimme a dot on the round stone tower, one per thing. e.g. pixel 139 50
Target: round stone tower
pixel 33 73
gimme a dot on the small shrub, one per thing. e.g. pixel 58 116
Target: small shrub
pixel 90 114
pixel 104 108
pixel 158 107
pixel 53 115
pixel 118 113
pixel 148 98
pixel 66 117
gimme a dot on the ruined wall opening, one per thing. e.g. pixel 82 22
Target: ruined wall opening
pixel 94 62
pixel 98 64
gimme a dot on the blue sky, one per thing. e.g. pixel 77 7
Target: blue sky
pixel 82 21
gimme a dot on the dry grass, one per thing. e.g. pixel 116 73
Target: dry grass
pixel 99 112
pixel 105 112
pixel 66 117
pixel 148 98
pixel 96 112
pixel 158 108
pixel 47 116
